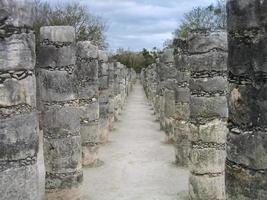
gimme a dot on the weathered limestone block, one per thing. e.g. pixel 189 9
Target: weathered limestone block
pixel 243 15
pixel 61 112
pixel 247 149
pixel 182 95
pixel 206 187
pixel 103 56
pixel 117 91
pixel 168 56
pixel 88 95
pixel 18 91
pixel 169 111
pixel 212 131
pixel 23 179
pixel 206 42
pixel 17 14
pixel 57 34
pixel 103 97
pixel 19 126
pixel 166 89
pixel 208 114
pixel 17 52
pixel 61 121
pixel 123 86
pixel 167 71
pixel 55 85
pixel 207 160
pixel 210 61
pixel 87 71
pixel 247 102
pixel 181 142
pixel 182 110
pixel 111 85
pixel 203 107
pixel 245 183
pixel 52 57
pixel 69 162
pixel 18 147
pixel 246 166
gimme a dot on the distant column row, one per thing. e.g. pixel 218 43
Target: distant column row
pixel 78 92
pixel 191 105
pixel 76 98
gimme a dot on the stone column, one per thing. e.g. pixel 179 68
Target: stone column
pixel 151 85
pixel 61 113
pixel 123 86
pixel 208 114
pixel 168 73
pixel 117 90
pixel 246 164
pixel 86 78
pixel 103 96
pixel 111 82
pixel 182 109
pixel 19 125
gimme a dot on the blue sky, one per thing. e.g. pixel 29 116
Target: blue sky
pixel 138 24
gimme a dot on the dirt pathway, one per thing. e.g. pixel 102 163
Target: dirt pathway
pixel 138 165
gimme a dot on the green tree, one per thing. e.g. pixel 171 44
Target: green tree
pixel 212 17
pixel 135 60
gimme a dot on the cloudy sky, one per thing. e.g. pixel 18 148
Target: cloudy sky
pixel 138 24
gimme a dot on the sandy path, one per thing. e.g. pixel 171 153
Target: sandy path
pixel 138 165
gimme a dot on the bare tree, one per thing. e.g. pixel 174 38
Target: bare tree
pixel 211 18
pixel 87 26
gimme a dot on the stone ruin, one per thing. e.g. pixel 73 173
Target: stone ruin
pixel 209 98
pixel 19 126
pixel 207 60
pixel 72 87
pixel 246 163
pixel 212 111
pixel 193 108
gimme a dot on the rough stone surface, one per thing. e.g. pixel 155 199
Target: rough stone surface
pixel 17 52
pixel 208 113
pixel 16 92
pixel 246 164
pixel 64 34
pixel 19 126
pixel 60 110
pixel 17 13
pixel 205 187
pixel 88 91
pixel 14 146
pixel 19 183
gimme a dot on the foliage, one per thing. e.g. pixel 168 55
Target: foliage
pixel 212 17
pixel 87 26
pixel 136 60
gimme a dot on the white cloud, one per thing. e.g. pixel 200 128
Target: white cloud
pixel 141 23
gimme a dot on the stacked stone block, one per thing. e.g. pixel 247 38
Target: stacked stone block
pixel 151 83
pixel 103 76
pixel 118 104
pixel 167 90
pixel 111 82
pixel 246 164
pixel 18 117
pixel 131 80
pixel 208 114
pixel 61 112
pixel 182 105
pixel 86 77
pixel 123 85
